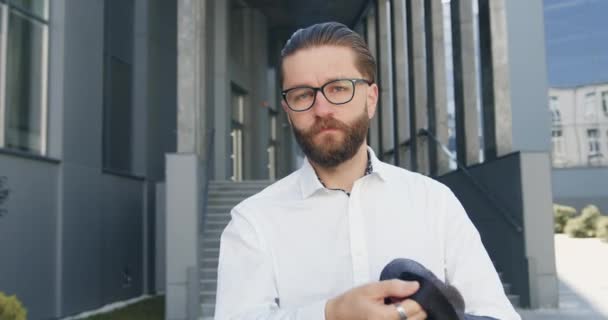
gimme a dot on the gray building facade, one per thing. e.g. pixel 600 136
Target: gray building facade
pixel 88 112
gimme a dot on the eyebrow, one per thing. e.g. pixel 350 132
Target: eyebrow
pixel 327 81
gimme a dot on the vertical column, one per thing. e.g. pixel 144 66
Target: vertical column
pixel 371 38
pixel 401 91
pixel 495 85
pixel 436 86
pixel 182 236
pixel 191 76
pixel 527 73
pixel 385 59
pixel 221 89
pixel 465 92
pixel 527 90
pixel 3 46
pixel 418 84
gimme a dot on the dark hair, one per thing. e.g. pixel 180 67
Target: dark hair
pixel 332 34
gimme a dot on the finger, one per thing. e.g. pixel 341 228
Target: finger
pixel 411 308
pixel 418 316
pixel 396 288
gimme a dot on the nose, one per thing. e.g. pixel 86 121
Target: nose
pixel 322 107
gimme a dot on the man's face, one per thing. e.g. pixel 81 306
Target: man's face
pixel 329 134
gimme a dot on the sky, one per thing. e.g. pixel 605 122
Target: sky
pixel 576 41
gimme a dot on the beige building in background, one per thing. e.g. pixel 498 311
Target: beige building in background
pixel 579 125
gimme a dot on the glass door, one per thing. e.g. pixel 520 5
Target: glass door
pixel 238 118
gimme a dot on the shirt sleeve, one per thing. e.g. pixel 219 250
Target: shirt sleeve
pixel 246 287
pixel 470 269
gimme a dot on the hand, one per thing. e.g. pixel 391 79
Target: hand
pixel 367 302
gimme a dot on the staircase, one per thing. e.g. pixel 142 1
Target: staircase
pixel 514 298
pixel 223 196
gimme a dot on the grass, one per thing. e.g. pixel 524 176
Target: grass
pixel 149 309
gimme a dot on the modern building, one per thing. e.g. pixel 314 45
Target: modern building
pixel 116 114
pixel 580 144
pixel 579 125
pixel 87 113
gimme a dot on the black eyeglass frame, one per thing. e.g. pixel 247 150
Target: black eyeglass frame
pixel 322 89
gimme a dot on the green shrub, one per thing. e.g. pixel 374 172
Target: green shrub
pixel 601 228
pixel 11 308
pixel 583 226
pixel 561 216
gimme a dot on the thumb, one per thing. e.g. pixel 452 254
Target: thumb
pixel 397 288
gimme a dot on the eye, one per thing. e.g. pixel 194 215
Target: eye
pixel 303 96
pixel 339 88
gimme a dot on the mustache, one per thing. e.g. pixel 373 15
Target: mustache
pixel 326 123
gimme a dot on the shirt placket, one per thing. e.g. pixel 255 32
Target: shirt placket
pixel 358 243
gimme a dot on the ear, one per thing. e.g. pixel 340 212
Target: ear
pixel 372 99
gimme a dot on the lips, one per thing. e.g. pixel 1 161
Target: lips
pixel 328 129
pixel 327 125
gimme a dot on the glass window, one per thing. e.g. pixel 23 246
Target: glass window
pixel 555 114
pixel 39 8
pixel 23 69
pixel 3 36
pixel 590 109
pixel 558 142
pixel 237 30
pixel 272 147
pixel 117 116
pixel 273 127
pixel 594 141
pixel 553 103
pixel 605 102
pixel 118 87
pixel 238 119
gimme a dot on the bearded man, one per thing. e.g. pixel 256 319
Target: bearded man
pixel 312 245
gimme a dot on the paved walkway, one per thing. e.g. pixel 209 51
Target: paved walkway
pixel 582 268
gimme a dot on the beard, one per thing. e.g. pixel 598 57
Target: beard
pixel 331 151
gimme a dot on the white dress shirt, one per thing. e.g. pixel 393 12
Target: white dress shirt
pixel 296 244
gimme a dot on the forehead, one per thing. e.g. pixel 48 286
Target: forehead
pixel 315 66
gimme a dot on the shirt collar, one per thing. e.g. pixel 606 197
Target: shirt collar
pixel 310 183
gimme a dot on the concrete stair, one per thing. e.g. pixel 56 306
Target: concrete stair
pixel 514 298
pixel 223 196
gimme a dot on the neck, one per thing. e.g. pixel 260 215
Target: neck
pixel 345 174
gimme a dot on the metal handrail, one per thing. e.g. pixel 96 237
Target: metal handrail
pixel 504 212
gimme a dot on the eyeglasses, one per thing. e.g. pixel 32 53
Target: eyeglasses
pixel 339 91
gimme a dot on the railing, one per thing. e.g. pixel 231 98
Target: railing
pixel 494 201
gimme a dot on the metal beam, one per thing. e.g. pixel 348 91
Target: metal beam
pixel 495 88
pixel 436 86
pixel 371 35
pixel 385 79
pixel 221 88
pixel 416 44
pixel 401 90
pixel 465 91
